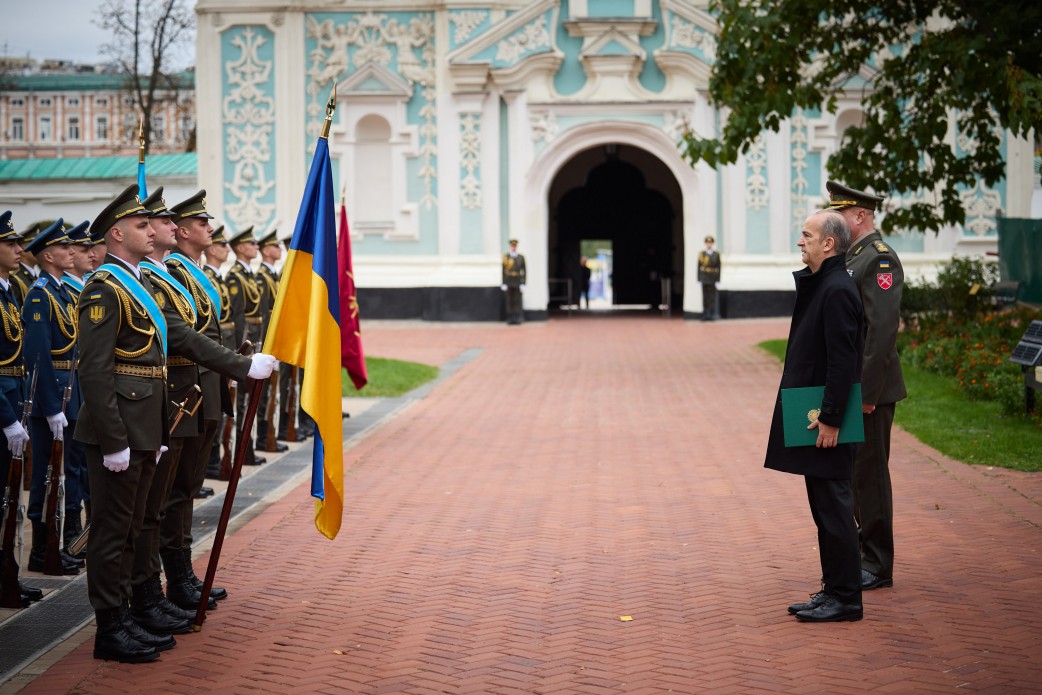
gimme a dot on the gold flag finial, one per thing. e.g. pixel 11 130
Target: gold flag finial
pixel 141 140
pixel 330 108
pixel 343 194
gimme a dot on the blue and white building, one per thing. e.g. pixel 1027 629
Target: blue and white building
pixel 461 124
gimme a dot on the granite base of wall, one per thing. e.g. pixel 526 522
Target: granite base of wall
pixel 750 304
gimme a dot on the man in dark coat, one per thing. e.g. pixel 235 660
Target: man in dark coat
pixel 824 348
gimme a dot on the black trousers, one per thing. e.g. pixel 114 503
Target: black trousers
pixel 117 511
pixel 832 506
pixel 873 495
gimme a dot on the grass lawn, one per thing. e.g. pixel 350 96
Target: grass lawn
pixel 389 378
pixel 940 416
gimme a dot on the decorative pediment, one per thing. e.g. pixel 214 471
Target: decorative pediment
pixel 613 43
pixel 373 79
pixel 689 49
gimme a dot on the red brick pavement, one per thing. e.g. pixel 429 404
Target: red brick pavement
pixel 581 470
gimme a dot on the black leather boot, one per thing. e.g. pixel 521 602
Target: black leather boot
pixel 179 588
pixel 38 552
pixel 29 593
pixel 160 642
pixel 113 642
pixel 145 611
pixel 155 587
pixel 216 592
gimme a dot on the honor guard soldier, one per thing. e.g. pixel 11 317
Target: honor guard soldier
pixel 268 280
pixel 708 276
pixel 12 390
pixel 877 272
pixel 514 274
pixel 216 254
pixel 244 291
pixel 124 338
pixel 50 349
pixel 81 263
pixel 24 277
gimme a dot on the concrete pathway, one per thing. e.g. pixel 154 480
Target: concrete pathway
pixel 500 532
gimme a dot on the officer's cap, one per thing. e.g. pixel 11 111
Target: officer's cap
pixel 126 204
pixel 156 204
pixel 243 237
pixel 193 207
pixel 218 236
pixel 55 234
pixel 79 235
pixel 841 197
pixel 710 239
pixel 512 241
pixel 269 239
pixel 7 231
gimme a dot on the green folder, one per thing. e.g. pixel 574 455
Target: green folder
pixel 799 409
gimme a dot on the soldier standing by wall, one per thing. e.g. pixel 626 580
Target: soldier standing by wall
pixel 514 275
pixel 708 276
pixel 877 271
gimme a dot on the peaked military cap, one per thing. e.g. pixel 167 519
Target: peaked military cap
pixel 79 235
pixel 126 204
pixel 710 239
pixel 156 204
pixel 841 197
pixel 218 236
pixel 29 233
pixel 55 234
pixel 270 239
pixel 245 236
pixel 193 207
pixel 7 231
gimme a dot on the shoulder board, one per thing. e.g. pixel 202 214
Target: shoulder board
pixel 881 247
pixel 100 276
pixel 42 282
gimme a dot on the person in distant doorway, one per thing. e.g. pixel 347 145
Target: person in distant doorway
pixel 513 283
pixel 584 280
pixel 709 275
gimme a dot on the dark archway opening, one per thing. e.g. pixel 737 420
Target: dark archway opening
pixel 626 196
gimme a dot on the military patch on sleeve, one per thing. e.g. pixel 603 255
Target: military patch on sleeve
pixel 885 280
pixel 96 312
pixel 160 299
pixel 36 316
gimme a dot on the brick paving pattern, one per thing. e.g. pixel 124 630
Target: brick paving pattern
pixel 584 469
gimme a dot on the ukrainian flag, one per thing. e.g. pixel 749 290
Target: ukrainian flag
pixel 305 331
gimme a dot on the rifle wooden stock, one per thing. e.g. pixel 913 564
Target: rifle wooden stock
pixel 241 448
pixel 291 405
pixel 273 391
pixel 10 594
pixel 27 466
pixel 229 422
pixel 53 511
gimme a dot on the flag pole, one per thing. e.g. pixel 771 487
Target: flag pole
pixel 141 141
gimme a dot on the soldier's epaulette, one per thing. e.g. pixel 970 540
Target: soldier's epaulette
pixel 881 247
pixel 100 276
pixel 40 282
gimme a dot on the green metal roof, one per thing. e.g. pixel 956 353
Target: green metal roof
pixel 186 164
pixel 83 81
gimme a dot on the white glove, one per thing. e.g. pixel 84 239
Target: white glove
pixel 16 438
pixel 262 366
pixel 163 448
pixel 522 288
pixel 503 287
pixel 57 423
pixel 117 462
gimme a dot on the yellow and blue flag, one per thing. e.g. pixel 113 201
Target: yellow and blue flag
pixel 305 331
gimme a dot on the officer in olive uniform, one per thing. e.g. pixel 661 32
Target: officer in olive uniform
pixel 877 271
pixel 247 301
pixel 708 276
pixel 50 348
pixel 124 338
pixel 268 280
pixel 216 254
pixel 514 275
pixel 24 277
pixel 12 372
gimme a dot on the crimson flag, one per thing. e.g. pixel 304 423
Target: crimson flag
pixel 351 356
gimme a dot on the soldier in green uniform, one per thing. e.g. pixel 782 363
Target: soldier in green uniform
pixel 514 275
pixel 268 280
pixel 216 254
pixel 708 276
pixel 124 339
pixel 876 270
pixel 246 297
pixel 24 277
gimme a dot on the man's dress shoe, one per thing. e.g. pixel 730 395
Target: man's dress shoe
pixel 831 610
pixel 871 581
pixel 815 601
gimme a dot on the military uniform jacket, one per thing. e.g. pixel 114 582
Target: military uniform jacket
pixel 877 272
pixel 49 314
pixel 708 267
pixel 190 350
pixel 120 410
pixel 268 281
pixel 246 301
pixel 12 386
pixel 513 270
pixel 21 280
pixel 225 320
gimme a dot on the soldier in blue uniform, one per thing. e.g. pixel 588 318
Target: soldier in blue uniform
pixel 12 368
pixel 49 315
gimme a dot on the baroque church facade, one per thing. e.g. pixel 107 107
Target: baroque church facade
pixel 460 125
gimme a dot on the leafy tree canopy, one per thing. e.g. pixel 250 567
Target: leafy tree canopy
pixel 931 65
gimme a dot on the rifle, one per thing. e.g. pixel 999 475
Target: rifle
pixel 273 392
pixel 10 593
pixel 80 542
pixel 229 422
pixel 291 406
pixel 54 512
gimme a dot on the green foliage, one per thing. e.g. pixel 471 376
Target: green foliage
pixel 389 378
pixel 924 61
pixel 962 291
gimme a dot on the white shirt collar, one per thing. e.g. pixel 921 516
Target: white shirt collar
pixel 133 268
